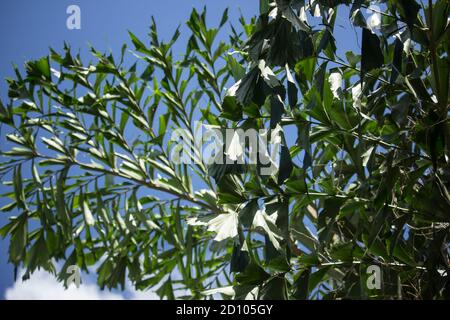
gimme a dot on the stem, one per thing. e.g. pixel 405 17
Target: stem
pixel 146 183
pixel 435 70
pixel 354 68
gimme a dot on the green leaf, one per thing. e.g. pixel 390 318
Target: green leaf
pixel 88 217
pixel 408 11
pixel 262 221
pixel 231 109
pixel 139 46
pixel 166 290
pixel 286 165
pixel 224 18
pixel 237 70
pixel 301 285
pixel 247 213
pixel 18 188
pixel 39 69
pixel 239 259
pixel 55 144
pixel 61 210
pixel 316 277
pixel 19 239
pixel 253 275
pixel 276 111
pixel 371 54
pixel 274 289
pixel 292 90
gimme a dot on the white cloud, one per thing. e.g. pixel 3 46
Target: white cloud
pixel 44 286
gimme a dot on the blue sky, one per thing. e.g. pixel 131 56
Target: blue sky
pixel 29 28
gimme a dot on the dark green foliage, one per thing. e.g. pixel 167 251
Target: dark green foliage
pixel 365 183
